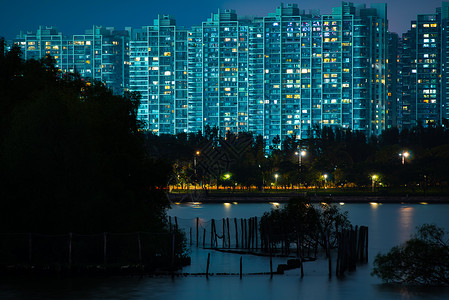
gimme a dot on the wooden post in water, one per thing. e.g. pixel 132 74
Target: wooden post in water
pixel 207 266
pixel 271 258
pixel 176 223
pixel 173 253
pixel 329 254
pixel 241 267
pixel 243 234
pixel 366 245
pixel 236 233
pixel 140 248
pixel 169 222
pixel 70 249
pixel 30 247
pixel 224 234
pixel 212 233
pixel 256 231
pixel 204 238
pixel 246 233
pixel 104 248
pixel 250 233
pixel 229 233
pixel 197 237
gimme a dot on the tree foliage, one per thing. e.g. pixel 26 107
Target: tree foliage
pixel 300 218
pixel 71 155
pixel 422 260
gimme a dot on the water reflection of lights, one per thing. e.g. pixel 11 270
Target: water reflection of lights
pixel 227 204
pixel 275 204
pixel 235 203
pixel 196 204
pixel 406 214
pixel 374 204
pixel 423 203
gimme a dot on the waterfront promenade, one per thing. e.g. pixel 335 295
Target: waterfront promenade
pixel 281 197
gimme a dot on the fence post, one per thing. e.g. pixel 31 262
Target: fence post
pixel 236 233
pixel 30 247
pixel 241 267
pixel 204 238
pixel 207 267
pixel 173 253
pixel 70 249
pixel 140 248
pixel 104 248
pixel 197 238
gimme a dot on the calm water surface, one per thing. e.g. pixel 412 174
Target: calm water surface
pixel 389 224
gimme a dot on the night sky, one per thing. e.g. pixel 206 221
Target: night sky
pixel 73 17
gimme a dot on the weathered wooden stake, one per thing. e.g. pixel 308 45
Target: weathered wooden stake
pixel 243 235
pixel 30 247
pixel 329 254
pixel 104 248
pixel 204 238
pixel 197 237
pixel 241 267
pixel 212 233
pixel 70 249
pixel 236 233
pixel 173 253
pixel 257 231
pixel 207 266
pixel 229 233
pixel 190 236
pixel 366 245
pixel 224 234
pixel 140 247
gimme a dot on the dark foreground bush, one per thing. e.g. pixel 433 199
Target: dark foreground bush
pixel 422 260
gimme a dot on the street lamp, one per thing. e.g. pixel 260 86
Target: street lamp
pixel 300 155
pixel 276 179
pixel 374 178
pixel 404 155
pixel 325 180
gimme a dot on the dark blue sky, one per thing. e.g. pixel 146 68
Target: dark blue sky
pixel 75 16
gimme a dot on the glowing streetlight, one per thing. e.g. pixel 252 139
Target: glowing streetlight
pixel 276 179
pixel 325 179
pixel 404 155
pixel 373 178
pixel 300 155
pixel 227 176
pixel 195 157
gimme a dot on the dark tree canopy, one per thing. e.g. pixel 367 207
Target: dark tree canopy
pixel 422 260
pixel 71 156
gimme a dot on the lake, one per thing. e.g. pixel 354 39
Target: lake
pixel 389 224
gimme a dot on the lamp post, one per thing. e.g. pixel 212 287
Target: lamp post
pixel 404 155
pixel 300 155
pixel 325 180
pixel 276 179
pixel 373 178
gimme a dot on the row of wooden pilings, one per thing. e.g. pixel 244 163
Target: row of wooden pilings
pixel 352 244
pixel 245 238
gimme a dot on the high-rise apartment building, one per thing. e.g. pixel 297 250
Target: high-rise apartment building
pixel 423 69
pixel 218 65
pixel 99 54
pixel 281 75
pixel 158 70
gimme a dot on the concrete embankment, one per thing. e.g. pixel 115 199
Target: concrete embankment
pixel 284 197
